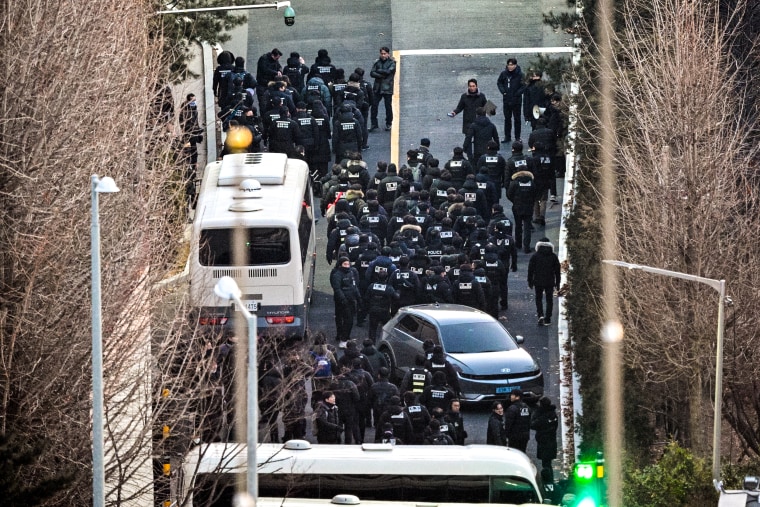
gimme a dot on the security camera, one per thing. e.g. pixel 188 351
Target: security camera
pixel 290 16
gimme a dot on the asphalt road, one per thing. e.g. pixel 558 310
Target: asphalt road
pixel 429 86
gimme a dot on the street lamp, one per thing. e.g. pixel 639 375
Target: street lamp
pixel 97 186
pixel 273 5
pixel 227 288
pixel 720 286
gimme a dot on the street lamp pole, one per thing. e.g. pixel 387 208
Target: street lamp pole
pixel 275 5
pixel 720 286
pixel 227 288
pixel 97 186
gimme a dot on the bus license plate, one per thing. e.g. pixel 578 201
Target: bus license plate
pixel 251 306
pixel 508 389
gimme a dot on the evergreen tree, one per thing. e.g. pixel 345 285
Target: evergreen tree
pixel 17 488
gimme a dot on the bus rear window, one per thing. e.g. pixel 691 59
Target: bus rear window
pixel 263 245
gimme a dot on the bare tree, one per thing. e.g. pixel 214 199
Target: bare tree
pixel 686 202
pixel 81 96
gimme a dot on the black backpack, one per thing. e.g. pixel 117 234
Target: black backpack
pixel 294 75
pixel 361 383
pixel 356 96
pixel 232 75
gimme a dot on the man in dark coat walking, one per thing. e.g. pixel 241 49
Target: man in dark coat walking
pixel 545 422
pixel 478 134
pixel 544 276
pixel 468 103
pixel 522 192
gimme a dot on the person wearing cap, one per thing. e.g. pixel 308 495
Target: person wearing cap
pixel 380 394
pixel 480 132
pixel 323 68
pixel 378 298
pixel 517 421
pixel 494 164
pixel 438 363
pixel 437 287
pixel 467 290
pixel 459 167
pixel 369 99
pixel 517 162
pixel 347 134
pixel 309 137
pixel 557 122
pixel 435 436
pixel 337 88
pixel 545 423
pixel 284 134
pixel 268 69
pixel 438 394
pixel 407 285
pixel 296 70
pixel 395 416
pixel 344 281
pixel 354 94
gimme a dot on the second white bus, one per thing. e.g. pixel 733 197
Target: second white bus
pixel 270 197
pixel 419 473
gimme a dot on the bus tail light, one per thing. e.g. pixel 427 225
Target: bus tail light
pixel 281 319
pixel 212 321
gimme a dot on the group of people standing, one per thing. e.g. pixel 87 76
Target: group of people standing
pixel 422 232
pixel 316 113
pixel 511 427
pixel 424 410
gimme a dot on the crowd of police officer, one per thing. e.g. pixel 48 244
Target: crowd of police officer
pixel 424 233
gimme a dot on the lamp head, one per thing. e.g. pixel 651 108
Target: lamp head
pixel 105 185
pixel 227 288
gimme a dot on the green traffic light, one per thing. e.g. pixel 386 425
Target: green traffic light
pixel 588 479
pixel 584 471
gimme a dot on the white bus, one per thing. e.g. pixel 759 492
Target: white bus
pixel 269 196
pixel 354 500
pixel 373 472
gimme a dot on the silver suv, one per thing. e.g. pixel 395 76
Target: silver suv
pixel 489 361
